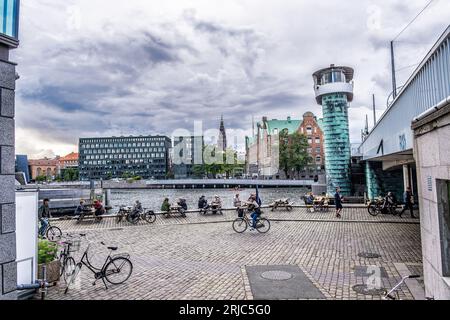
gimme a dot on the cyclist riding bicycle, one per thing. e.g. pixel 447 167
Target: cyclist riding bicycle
pixel 256 210
pixel 44 214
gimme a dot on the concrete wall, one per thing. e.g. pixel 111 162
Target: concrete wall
pixel 8 270
pixel 432 153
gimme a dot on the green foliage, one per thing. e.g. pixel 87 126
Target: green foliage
pixel 47 251
pixel 220 162
pixel 126 175
pixel 41 179
pixel 70 174
pixel 294 152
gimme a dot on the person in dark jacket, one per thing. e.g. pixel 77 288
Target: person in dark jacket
pixel 338 202
pixel 43 215
pixel 408 201
pixel 81 210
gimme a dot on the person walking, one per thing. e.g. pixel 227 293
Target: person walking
pixel 409 202
pixel 338 202
pixel 44 214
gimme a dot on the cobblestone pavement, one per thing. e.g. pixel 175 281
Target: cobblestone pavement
pixel 356 214
pixel 174 259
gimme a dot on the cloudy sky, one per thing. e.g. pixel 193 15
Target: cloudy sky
pixel 101 67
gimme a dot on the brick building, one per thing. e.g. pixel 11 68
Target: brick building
pixel 69 161
pixel 262 150
pixel 44 167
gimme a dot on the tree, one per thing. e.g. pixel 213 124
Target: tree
pixel 284 152
pixel 299 156
pixel 294 154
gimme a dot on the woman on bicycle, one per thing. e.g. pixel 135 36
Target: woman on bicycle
pixel 254 206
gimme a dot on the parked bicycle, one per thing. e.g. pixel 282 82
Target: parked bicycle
pixel 379 206
pixel 115 270
pixel 393 293
pixel 240 225
pixel 52 233
pixel 126 213
pixel 67 261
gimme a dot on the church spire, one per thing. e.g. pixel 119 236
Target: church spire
pixel 222 143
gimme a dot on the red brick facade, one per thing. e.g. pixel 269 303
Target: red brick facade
pixel 311 128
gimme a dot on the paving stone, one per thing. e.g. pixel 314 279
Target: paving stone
pixel 194 259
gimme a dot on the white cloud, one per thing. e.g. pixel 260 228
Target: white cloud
pixel 98 67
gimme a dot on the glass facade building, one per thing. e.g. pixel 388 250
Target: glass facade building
pixel 117 157
pixel 9 13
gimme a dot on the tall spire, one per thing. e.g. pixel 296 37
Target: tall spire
pixel 222 142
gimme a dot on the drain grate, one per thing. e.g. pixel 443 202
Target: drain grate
pixel 368 291
pixel 276 275
pixel 369 255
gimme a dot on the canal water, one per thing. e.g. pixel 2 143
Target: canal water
pixel 152 199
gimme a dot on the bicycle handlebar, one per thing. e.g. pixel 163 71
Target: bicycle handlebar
pixel 414 276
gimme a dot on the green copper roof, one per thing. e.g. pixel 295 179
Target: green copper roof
pixel 290 124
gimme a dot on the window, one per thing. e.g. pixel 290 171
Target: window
pixel 318 150
pixel 9 21
pixel 317 140
pixel 310 141
pixel 333 76
pixel 318 159
pixel 309 131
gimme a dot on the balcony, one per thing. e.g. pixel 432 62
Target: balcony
pixel 334 87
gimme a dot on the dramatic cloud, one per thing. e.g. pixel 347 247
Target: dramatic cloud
pixel 100 68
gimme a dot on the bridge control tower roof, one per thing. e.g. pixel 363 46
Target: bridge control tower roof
pixel 349 72
pixel 334 79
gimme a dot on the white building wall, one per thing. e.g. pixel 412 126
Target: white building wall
pixel 432 153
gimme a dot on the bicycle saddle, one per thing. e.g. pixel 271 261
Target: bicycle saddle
pixel 112 248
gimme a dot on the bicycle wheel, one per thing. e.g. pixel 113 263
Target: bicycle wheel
pixel 68 268
pixel 73 277
pixel 240 225
pixel 119 217
pixel 118 270
pixel 150 217
pixel 54 234
pixel 373 210
pixel 263 225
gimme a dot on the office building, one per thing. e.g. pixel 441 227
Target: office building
pixel 120 157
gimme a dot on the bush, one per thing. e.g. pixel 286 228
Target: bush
pixel 47 251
